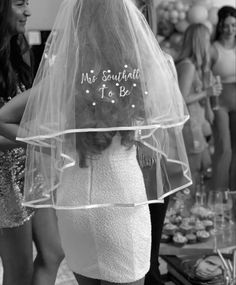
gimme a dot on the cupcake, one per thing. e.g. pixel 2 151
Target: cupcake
pixel 201 212
pixel 192 238
pixel 185 229
pixel 202 236
pixel 169 229
pixel 165 238
pixel 209 225
pixel 189 220
pixel 176 220
pixel 170 212
pixel 185 220
pixel 192 220
pixel 199 226
pixel 166 221
pixel 179 239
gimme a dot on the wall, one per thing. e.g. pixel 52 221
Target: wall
pixel 43 14
pixel 44 11
pixel 220 3
pixel 217 3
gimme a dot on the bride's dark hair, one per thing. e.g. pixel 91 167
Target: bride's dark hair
pixel 104 40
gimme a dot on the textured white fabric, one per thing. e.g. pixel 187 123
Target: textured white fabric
pixel 111 244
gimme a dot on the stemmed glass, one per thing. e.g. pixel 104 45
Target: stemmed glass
pixel 208 81
pixel 216 205
pixel 228 206
pixel 220 202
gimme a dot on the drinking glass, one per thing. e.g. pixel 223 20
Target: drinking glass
pixel 209 80
pixel 216 205
pixel 228 207
pixel 215 104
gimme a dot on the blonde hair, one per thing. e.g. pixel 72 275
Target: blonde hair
pixel 196 47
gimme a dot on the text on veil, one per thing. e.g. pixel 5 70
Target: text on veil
pixel 119 79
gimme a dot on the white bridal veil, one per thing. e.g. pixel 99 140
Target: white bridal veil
pixel 102 70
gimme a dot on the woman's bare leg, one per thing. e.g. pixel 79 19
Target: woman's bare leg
pixel 16 253
pixel 48 245
pixel 223 153
pixel 233 144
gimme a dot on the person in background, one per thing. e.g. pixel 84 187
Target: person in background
pixel 223 53
pixel 157 211
pixel 18 225
pixel 15 224
pixel 193 65
pixel 165 29
pixel 96 95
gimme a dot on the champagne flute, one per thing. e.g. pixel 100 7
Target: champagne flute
pixel 208 81
pixel 215 104
pixel 214 202
pixel 228 206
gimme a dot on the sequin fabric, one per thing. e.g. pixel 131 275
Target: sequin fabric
pixel 12 164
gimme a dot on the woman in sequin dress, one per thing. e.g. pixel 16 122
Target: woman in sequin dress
pixel 18 224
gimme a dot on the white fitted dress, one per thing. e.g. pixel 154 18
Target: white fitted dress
pixel 111 244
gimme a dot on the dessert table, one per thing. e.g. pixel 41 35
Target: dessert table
pixel 225 241
pixel 185 256
pixel 174 256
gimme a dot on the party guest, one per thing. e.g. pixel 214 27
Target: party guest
pixel 193 66
pixel 224 65
pixel 18 224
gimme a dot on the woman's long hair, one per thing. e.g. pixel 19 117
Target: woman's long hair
pixel 106 51
pixel 223 13
pixel 195 47
pixel 13 67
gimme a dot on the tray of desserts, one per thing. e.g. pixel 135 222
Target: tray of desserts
pixel 187 227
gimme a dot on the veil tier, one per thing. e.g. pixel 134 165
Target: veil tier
pixel 102 71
